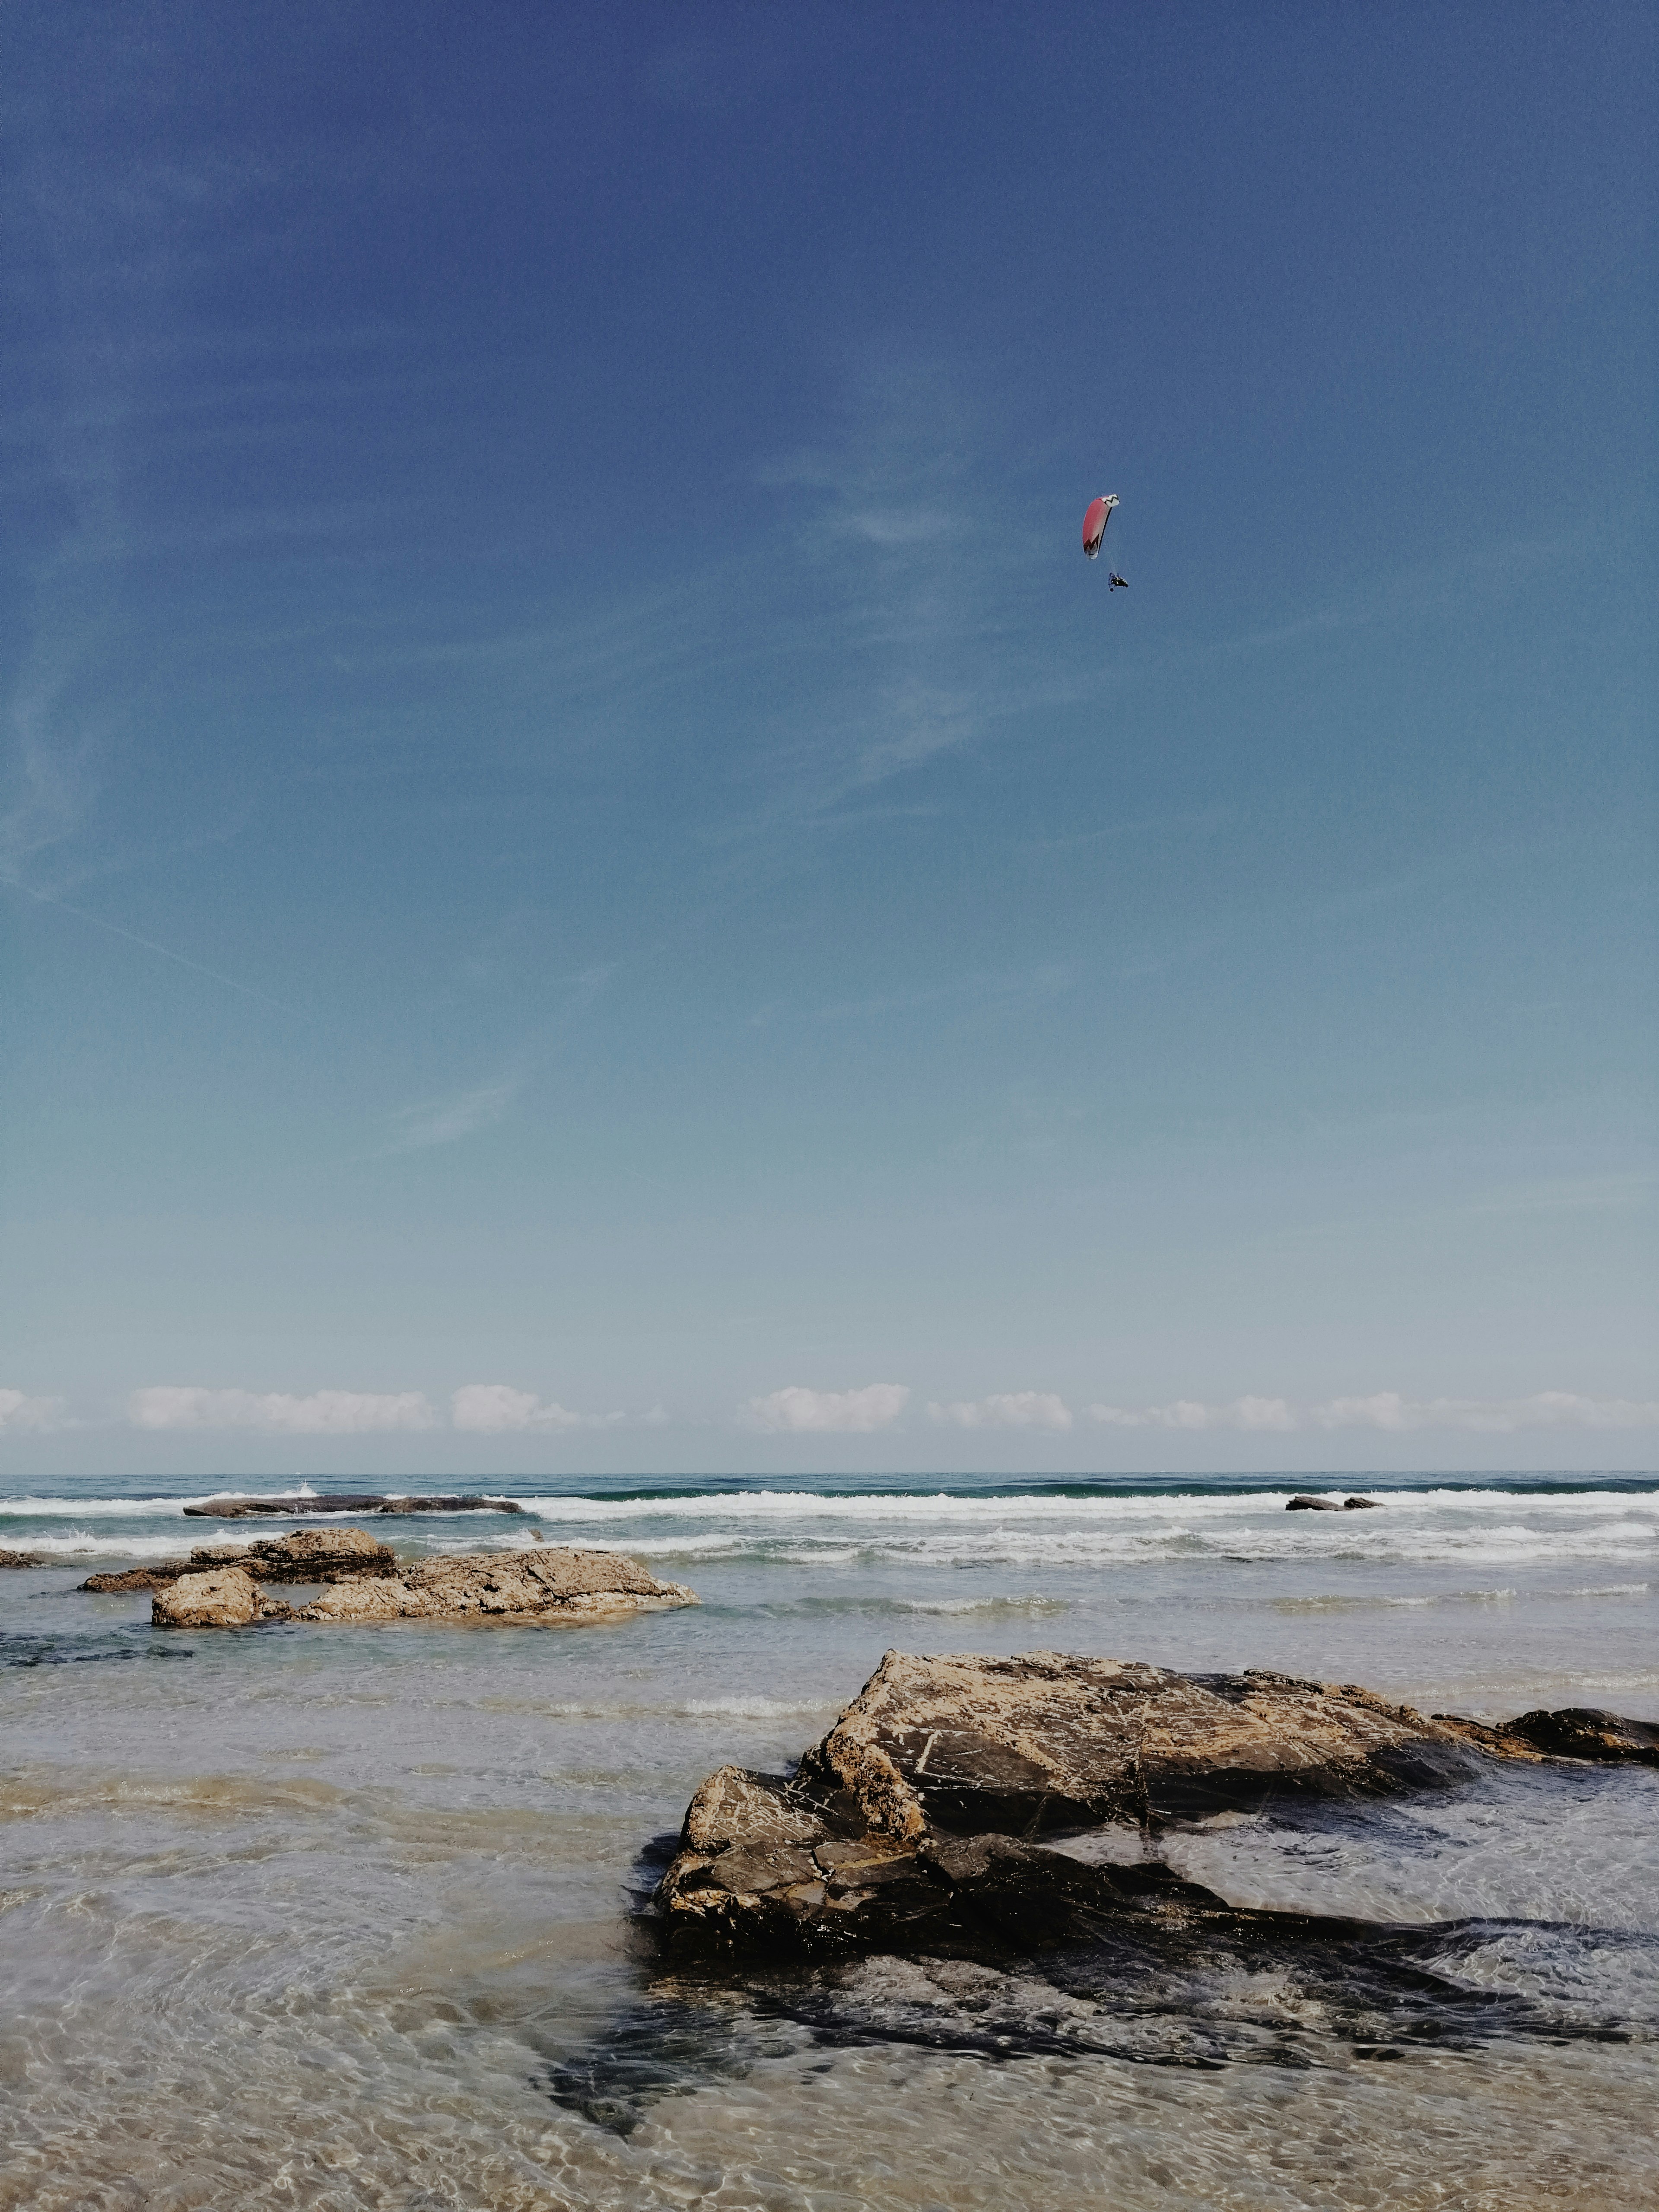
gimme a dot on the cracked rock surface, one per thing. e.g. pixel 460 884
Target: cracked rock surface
pixel 920 1818
pixel 552 1583
pixel 310 1555
pixel 212 1589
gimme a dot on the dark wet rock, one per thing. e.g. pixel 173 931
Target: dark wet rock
pixel 1359 1504
pixel 309 1555
pixel 964 1801
pixel 1308 1502
pixel 22 1559
pixel 232 1507
pixel 1573 1732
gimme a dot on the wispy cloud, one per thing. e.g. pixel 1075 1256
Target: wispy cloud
pixel 277 1412
pixel 1386 1410
pixel 796 1411
pixel 493 1409
pixel 19 1411
pixel 1014 1409
pixel 446 1121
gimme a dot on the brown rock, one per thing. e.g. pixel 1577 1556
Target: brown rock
pixel 916 1820
pixel 224 1597
pixel 22 1559
pixel 309 1555
pixel 555 1584
pixel 161 1574
pixel 1573 1732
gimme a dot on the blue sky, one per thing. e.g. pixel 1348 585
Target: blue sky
pixel 578 831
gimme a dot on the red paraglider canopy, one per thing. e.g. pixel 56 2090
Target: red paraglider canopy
pixel 1094 522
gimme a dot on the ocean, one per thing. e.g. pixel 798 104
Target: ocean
pixel 310 1916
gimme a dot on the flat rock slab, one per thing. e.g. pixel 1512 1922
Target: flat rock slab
pixel 233 1508
pixel 552 1583
pixel 920 1818
pixel 309 1555
pixel 548 1585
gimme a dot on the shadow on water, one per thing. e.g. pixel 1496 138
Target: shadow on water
pixel 1262 1988
pixel 73 1649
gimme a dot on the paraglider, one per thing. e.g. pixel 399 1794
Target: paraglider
pixel 1094 522
pixel 1115 582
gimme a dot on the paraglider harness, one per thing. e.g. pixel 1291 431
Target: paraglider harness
pixel 1113 580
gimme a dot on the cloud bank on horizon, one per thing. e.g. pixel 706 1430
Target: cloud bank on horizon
pixel 497 1409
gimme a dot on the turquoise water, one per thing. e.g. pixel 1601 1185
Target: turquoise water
pixel 308 1916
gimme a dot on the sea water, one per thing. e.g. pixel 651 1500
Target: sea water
pixel 342 1916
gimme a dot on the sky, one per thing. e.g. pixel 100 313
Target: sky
pixel 591 881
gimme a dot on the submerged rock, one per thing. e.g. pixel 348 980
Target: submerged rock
pixel 554 1583
pixel 917 1820
pixel 223 1597
pixel 310 1555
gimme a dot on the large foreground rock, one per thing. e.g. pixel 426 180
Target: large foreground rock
pixel 310 1555
pixel 554 1583
pixel 916 1821
pixel 224 1597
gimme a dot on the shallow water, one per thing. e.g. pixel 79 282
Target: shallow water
pixel 340 1917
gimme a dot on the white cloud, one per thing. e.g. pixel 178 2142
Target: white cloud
pixel 443 1120
pixel 18 1411
pixel 800 1412
pixel 1388 1411
pixel 1192 1413
pixel 277 1412
pixel 1013 1409
pixel 1546 1409
pixel 493 1409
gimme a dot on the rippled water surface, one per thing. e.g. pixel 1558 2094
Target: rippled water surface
pixel 310 1916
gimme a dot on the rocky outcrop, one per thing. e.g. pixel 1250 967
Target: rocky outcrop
pixel 960 1800
pixel 233 1507
pixel 367 1584
pixel 310 1555
pixel 223 1597
pixel 22 1559
pixel 1306 1502
pixel 551 1584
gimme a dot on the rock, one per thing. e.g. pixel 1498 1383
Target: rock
pixel 1359 1504
pixel 917 1820
pixel 309 1555
pixel 233 1507
pixel 224 1597
pixel 22 1559
pixel 555 1584
pixel 1306 1504
pixel 161 1574
pixel 1573 1732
